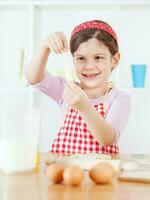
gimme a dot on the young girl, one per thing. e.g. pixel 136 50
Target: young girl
pixel 97 112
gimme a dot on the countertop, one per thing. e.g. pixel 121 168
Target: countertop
pixel 36 186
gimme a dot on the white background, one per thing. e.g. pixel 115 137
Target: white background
pixel 24 24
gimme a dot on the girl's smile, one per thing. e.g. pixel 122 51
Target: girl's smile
pixel 90 76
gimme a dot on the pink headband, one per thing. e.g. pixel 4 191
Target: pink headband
pixel 94 25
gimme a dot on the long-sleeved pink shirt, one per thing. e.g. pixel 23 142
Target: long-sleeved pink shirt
pixel 118 103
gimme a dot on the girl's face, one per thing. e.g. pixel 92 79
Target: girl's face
pixel 94 63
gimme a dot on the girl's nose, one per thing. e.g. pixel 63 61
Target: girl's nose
pixel 89 65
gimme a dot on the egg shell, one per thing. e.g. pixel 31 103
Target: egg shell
pixel 102 173
pixel 55 172
pixel 73 175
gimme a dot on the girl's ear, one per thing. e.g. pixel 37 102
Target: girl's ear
pixel 115 60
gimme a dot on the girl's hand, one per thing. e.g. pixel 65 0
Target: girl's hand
pixel 56 42
pixel 75 97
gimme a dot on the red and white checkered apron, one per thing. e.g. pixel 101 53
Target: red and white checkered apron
pixel 74 136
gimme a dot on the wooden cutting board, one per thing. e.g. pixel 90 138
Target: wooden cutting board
pixel 136 176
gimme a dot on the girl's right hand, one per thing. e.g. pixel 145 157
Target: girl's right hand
pixel 56 42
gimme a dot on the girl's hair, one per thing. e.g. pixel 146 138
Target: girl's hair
pixel 103 36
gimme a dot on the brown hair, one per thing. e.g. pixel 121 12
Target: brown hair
pixel 101 35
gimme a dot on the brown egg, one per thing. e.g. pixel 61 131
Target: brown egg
pixel 55 172
pixel 73 175
pixel 102 173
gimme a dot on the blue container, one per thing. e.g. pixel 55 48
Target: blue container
pixel 138 75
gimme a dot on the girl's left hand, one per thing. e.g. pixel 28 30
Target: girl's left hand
pixel 75 97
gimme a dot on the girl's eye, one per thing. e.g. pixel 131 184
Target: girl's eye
pixel 99 58
pixel 81 59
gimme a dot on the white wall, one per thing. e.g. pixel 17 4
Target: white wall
pixel 136 136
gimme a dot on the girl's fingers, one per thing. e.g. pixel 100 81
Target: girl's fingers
pixel 59 42
pixel 54 44
pixel 55 48
pixel 70 96
pixel 64 41
pixel 67 96
pixel 74 87
pixel 68 91
pixel 71 89
pixel 71 100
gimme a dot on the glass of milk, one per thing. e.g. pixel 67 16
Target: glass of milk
pixel 19 133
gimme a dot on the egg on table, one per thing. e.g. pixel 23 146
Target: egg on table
pixel 55 172
pixel 102 173
pixel 73 175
